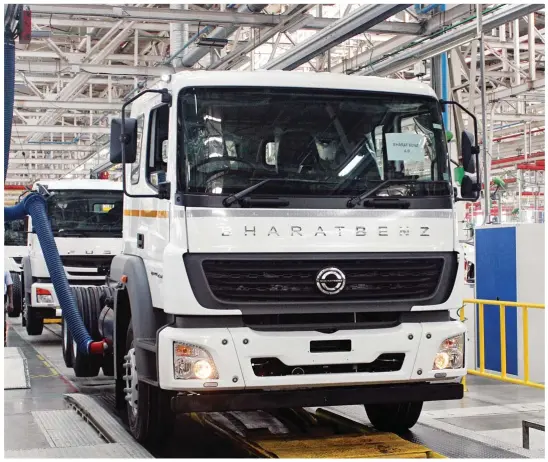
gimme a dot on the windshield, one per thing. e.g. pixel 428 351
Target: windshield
pixel 85 213
pixel 14 233
pixel 337 143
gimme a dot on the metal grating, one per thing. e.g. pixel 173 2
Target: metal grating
pixel 100 451
pixel 65 428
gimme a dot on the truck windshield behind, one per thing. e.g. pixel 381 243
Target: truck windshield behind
pixel 337 143
pixel 14 233
pixel 86 213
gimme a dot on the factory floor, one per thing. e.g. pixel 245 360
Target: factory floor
pixel 487 423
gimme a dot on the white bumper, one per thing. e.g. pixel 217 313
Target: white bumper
pixel 233 359
pixel 48 287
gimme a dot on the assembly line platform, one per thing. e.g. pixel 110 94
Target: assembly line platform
pixel 49 413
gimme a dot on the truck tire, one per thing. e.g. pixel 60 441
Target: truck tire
pixel 394 418
pixel 66 344
pixel 17 296
pixel 148 408
pixel 34 323
pixel 84 365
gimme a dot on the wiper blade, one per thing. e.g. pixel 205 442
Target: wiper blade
pixel 71 232
pixel 352 202
pixel 236 197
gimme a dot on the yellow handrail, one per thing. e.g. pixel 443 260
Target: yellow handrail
pixel 503 372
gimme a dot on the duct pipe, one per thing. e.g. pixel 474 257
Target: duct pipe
pixel 198 53
pixel 427 8
pixel 531 40
pixel 486 165
pixel 176 39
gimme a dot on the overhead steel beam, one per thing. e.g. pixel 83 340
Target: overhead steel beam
pixel 34 67
pixel 30 147
pixel 194 55
pixel 78 57
pixel 21 102
pixel 294 16
pixel 22 161
pixel 166 15
pixel 407 57
pixel 356 23
pixel 311 23
pixel 40 171
pixel 39 79
pixel 39 129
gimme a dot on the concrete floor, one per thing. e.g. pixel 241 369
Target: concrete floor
pixel 491 412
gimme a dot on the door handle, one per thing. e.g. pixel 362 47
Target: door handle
pixel 140 241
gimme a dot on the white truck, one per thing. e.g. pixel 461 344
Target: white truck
pixel 86 220
pixel 15 248
pixel 289 241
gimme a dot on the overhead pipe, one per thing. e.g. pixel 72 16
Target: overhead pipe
pixel 447 40
pixel 427 8
pixel 191 58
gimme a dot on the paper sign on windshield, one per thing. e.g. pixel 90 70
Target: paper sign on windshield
pixel 408 147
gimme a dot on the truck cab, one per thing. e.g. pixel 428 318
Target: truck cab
pixel 86 220
pixel 290 240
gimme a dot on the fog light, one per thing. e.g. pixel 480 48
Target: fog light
pixel 192 362
pixel 450 354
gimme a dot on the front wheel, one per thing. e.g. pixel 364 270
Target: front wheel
pixel 394 418
pixel 17 296
pixel 34 323
pixel 149 415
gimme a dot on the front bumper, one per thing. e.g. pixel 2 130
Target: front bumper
pixel 46 306
pixel 333 396
pixel 232 350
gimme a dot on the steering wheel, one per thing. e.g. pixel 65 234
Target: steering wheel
pixel 226 169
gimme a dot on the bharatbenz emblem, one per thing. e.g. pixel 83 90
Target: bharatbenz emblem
pixel 330 281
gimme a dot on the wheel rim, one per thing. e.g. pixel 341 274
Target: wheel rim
pixel 132 382
pixel 74 349
pixel 65 336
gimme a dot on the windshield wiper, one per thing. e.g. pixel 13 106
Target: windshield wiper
pixel 352 202
pixel 228 201
pixel 71 233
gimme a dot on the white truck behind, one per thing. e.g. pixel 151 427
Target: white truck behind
pixel 289 241
pixel 86 220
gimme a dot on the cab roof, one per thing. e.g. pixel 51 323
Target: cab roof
pixel 92 185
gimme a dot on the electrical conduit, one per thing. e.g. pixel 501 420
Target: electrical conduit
pixel 35 206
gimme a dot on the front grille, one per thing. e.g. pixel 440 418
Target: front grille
pixel 367 279
pixel 18 260
pixel 99 262
pixel 273 367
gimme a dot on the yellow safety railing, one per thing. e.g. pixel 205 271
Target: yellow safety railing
pixel 502 307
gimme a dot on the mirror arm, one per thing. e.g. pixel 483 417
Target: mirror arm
pixel 476 149
pixel 124 138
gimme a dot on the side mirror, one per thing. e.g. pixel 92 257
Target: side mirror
pixel 468 189
pixel 164 190
pixel 129 143
pixel 468 152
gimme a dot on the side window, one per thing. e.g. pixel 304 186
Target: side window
pixel 135 167
pixel 158 136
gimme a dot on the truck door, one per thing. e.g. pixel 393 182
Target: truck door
pixel 150 215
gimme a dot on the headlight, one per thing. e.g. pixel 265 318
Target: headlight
pixel 450 354
pixel 193 362
pixel 43 296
